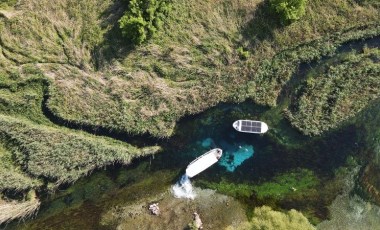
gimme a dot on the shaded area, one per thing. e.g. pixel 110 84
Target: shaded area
pixel 114 45
pixel 262 24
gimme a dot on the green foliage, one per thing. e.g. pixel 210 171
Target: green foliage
pixel 266 218
pixel 192 226
pixel 296 182
pixel 336 91
pixel 61 155
pixel 7 3
pixel 274 73
pixel 12 177
pixel 289 10
pixel 231 189
pixel 23 98
pixel 143 18
pixel 243 54
pixel 291 183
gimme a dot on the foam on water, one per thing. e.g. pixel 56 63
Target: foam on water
pixel 183 188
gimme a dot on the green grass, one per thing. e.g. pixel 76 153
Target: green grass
pixel 208 52
pixel 12 176
pixel 61 155
pixel 4 4
pixel 194 63
pixel 336 91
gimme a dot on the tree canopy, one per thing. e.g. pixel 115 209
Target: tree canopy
pixel 143 18
pixel 288 10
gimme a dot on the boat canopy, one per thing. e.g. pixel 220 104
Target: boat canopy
pixel 248 126
pixel 203 162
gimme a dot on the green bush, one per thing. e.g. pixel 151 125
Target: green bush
pixel 288 10
pixel 243 54
pixel 143 18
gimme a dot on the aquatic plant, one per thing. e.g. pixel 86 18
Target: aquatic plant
pixel 298 181
pixel 231 189
pixel 293 183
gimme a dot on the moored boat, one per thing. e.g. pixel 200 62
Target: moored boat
pixel 203 162
pixel 249 126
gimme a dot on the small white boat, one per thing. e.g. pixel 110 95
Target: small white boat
pixel 249 126
pixel 203 162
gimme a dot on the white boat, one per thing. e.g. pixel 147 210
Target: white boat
pixel 249 126
pixel 203 162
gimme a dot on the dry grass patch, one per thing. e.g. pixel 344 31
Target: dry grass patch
pixel 12 210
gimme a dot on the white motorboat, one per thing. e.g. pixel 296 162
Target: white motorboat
pixel 249 126
pixel 203 162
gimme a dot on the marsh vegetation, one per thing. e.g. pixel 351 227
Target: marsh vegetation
pixel 138 67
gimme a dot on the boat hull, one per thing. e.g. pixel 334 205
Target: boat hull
pixel 203 162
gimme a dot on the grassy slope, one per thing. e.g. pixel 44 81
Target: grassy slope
pixel 191 65
pixel 336 91
pixel 36 148
pixel 71 50
pixel 59 154
pixel 34 152
pixel 12 177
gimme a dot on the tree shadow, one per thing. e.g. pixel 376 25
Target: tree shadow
pixel 114 44
pixel 262 24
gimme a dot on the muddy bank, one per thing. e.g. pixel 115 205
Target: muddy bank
pixel 216 212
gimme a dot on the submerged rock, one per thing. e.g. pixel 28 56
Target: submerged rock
pixel 197 222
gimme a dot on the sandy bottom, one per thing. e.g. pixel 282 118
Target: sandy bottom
pixel 215 210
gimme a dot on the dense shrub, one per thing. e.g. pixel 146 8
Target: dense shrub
pixel 143 18
pixel 288 10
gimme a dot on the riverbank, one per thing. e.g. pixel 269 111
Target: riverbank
pixel 66 74
pixel 216 211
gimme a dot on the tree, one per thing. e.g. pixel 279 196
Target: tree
pixel 143 18
pixel 288 10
